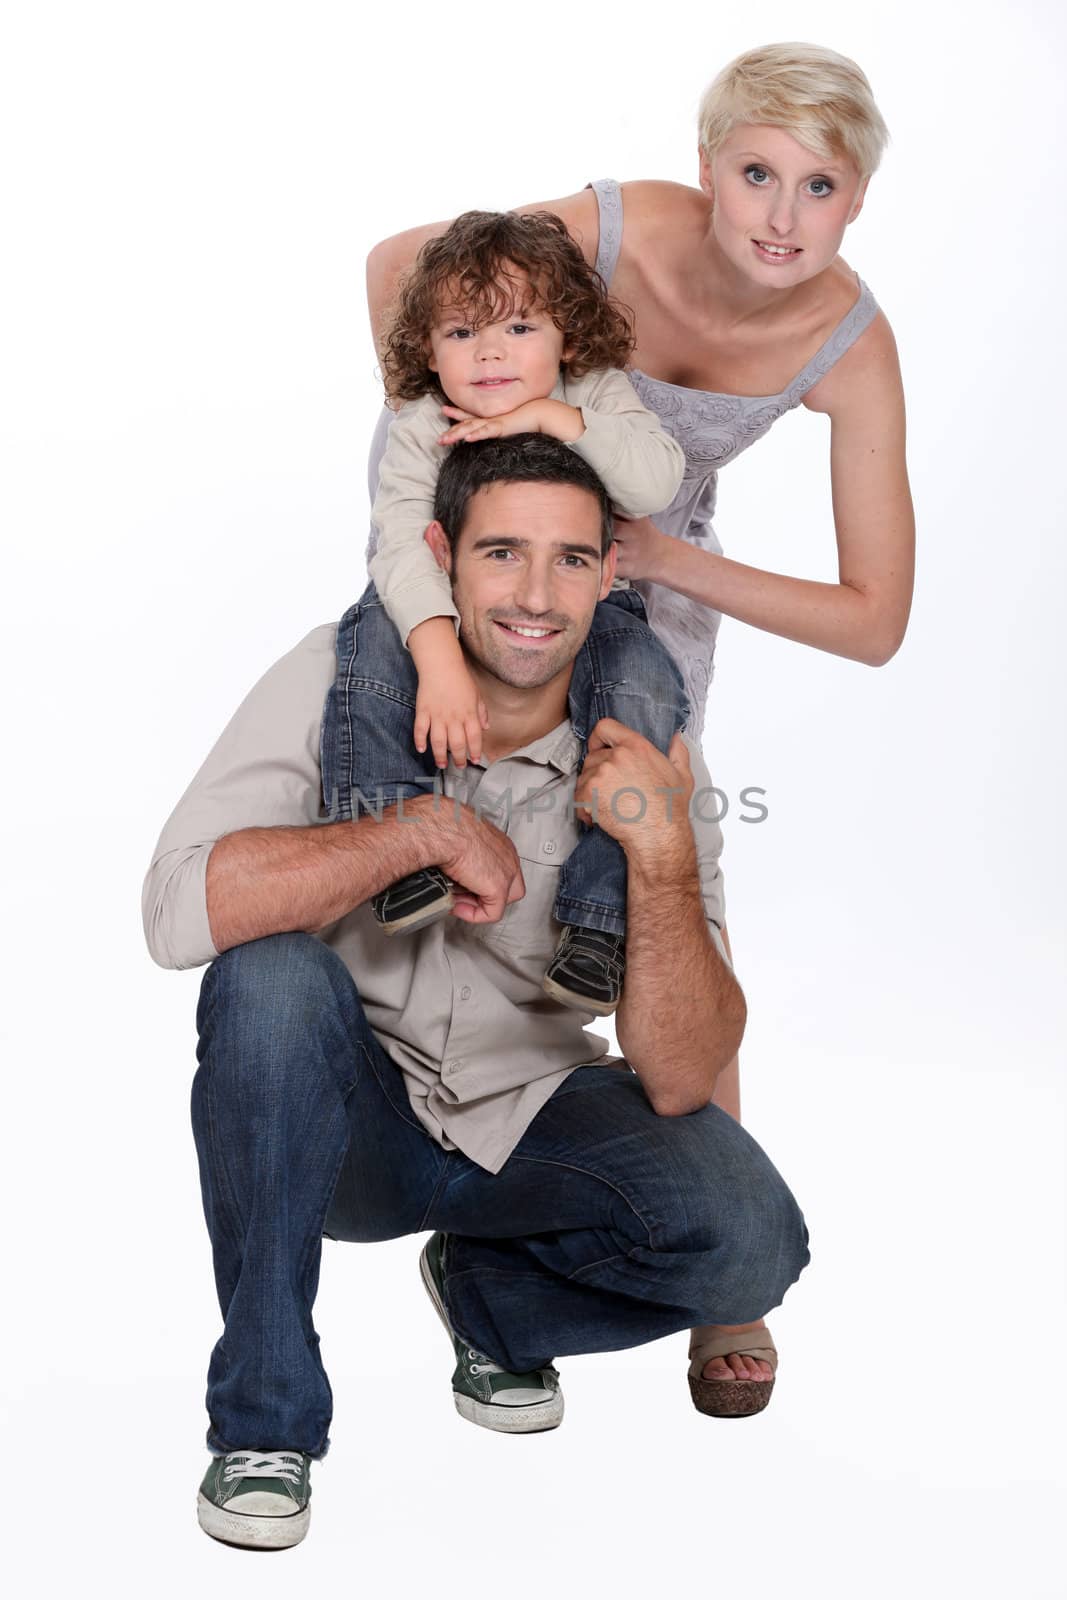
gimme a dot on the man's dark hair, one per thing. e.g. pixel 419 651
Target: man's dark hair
pixel 523 458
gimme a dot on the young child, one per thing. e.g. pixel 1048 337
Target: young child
pixel 504 328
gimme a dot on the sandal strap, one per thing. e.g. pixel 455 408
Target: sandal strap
pixel 704 1345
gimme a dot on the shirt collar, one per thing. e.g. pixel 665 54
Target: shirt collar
pixel 558 748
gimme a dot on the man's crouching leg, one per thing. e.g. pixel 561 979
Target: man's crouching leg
pixel 276 1064
pixel 642 1225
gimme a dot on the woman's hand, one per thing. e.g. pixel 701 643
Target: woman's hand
pixel 450 712
pixel 641 546
pixel 553 417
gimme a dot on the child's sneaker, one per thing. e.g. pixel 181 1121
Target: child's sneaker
pixel 587 969
pixel 507 1402
pixel 413 902
pixel 256 1498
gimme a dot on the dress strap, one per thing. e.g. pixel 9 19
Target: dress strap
pixel 609 202
pixel 844 336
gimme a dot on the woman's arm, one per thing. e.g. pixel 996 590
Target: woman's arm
pixel 864 615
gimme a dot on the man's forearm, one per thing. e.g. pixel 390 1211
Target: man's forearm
pixel 283 880
pixel 682 1013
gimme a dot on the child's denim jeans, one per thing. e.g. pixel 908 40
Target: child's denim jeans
pixel 369 758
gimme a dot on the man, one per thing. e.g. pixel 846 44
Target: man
pixel 368 1087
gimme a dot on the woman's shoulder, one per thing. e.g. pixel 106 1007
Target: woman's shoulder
pixel 654 201
pixel 868 362
pixel 660 219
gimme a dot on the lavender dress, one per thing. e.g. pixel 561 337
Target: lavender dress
pixel 712 429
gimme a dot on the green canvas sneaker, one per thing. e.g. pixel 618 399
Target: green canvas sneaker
pixel 509 1402
pixel 256 1498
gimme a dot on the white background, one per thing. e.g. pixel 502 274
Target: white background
pixel 188 194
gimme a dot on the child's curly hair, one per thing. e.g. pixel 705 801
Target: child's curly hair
pixel 484 263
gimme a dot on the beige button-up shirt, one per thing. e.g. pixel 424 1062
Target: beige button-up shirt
pixel 459 1009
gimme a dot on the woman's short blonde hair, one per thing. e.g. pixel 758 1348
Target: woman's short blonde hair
pixel 823 99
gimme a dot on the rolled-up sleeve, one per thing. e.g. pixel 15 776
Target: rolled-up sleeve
pixel 263 772
pixel 703 812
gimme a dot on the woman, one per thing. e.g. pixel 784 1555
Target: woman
pixel 743 309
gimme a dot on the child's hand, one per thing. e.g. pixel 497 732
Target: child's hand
pixel 553 417
pixel 450 711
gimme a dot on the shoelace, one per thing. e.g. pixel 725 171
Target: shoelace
pixel 480 1363
pixel 263 1464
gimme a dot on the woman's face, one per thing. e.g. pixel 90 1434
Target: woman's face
pixel 778 213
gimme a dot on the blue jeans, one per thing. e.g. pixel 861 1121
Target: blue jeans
pixel 369 759
pixel 607 1227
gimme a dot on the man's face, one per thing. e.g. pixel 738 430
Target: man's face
pixel 526 575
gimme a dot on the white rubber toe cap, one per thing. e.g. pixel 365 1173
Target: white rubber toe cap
pixel 261 1503
pixel 521 1397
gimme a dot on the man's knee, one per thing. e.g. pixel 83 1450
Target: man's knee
pixel 733 1220
pixel 266 1008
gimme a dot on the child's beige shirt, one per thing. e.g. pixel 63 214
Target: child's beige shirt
pixel 639 463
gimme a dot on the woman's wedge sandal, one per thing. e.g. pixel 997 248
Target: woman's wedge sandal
pixel 730 1397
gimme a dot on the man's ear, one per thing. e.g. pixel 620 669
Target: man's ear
pixel 857 204
pixel 607 572
pixel 441 545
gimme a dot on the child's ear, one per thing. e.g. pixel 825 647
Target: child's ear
pixel 441 545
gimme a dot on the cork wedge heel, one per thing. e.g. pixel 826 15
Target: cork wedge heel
pixel 730 1397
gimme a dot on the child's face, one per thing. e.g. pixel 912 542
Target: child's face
pixel 497 367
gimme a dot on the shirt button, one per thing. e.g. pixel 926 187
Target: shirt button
pixel 451 1067
pixel 465 992
pixel 549 847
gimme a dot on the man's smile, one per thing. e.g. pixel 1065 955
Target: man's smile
pixel 526 634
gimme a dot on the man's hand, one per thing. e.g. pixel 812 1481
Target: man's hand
pixel 641 546
pixel 638 796
pixel 553 417
pixel 479 859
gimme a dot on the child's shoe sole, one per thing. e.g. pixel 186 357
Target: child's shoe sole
pixel 578 1002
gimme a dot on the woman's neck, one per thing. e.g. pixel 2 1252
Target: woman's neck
pixel 726 296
